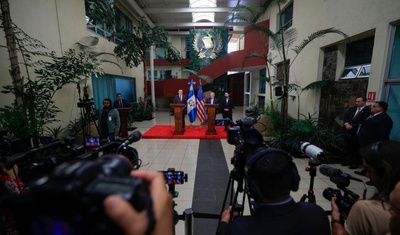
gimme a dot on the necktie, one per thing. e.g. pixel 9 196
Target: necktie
pixel 180 98
pixel 212 101
pixel 355 115
pixel 120 103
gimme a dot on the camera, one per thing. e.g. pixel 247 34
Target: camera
pixel 315 154
pixel 344 202
pixel 174 177
pixel 245 138
pixel 70 199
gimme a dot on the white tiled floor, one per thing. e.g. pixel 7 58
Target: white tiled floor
pixel 181 154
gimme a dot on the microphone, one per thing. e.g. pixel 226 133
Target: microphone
pixel 334 172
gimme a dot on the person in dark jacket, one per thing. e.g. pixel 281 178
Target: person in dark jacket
pixel 354 116
pixel 271 175
pixel 120 103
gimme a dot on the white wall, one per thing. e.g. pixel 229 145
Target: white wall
pixel 59 24
pixel 353 18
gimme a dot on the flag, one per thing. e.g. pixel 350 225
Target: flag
pixel 201 110
pixel 191 103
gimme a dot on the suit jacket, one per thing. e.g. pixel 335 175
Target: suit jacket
pixel 226 105
pixel 376 128
pixel 301 218
pixel 184 101
pixel 125 104
pixel 355 120
pixel 208 101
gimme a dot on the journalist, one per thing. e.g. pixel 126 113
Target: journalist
pixel 395 210
pixel 372 216
pixel 133 223
pixel 271 175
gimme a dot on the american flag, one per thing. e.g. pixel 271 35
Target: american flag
pixel 201 110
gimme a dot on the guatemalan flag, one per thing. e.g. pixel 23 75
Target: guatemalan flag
pixel 191 103
pixel 201 110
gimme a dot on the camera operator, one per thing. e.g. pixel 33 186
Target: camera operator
pixel 394 209
pixel 134 223
pixel 382 165
pixel 271 175
pixel 10 183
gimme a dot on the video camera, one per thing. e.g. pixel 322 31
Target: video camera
pixel 245 138
pixel 342 181
pixel 70 199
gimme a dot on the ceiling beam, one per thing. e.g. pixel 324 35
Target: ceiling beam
pixel 187 10
pixel 200 24
pixel 183 33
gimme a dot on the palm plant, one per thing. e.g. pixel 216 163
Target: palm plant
pixel 135 44
pixel 282 42
pixel 203 77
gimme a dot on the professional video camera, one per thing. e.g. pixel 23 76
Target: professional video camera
pixel 246 139
pixel 342 181
pixel 70 199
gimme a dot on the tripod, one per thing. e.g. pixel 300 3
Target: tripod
pixel 238 176
pixel 312 169
pixel 88 116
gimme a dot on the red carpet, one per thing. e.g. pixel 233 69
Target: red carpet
pixel 195 132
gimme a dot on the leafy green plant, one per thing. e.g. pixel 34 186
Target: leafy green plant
pixel 281 42
pixel 135 44
pixel 308 130
pixel 55 132
pixel 140 111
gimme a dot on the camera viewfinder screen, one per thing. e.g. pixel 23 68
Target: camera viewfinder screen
pixel 176 177
pixel 92 141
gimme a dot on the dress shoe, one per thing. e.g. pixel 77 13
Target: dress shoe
pixel 353 166
pixel 345 163
pixel 369 183
pixel 363 172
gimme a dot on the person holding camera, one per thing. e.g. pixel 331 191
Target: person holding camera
pixel 382 165
pixel 271 175
pixel 132 222
pixel 394 209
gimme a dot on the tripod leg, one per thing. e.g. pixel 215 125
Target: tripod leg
pixel 229 186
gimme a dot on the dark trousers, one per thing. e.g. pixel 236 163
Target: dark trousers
pixel 227 114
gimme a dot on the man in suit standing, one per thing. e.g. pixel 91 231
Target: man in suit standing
pixel 120 103
pixel 180 98
pixel 227 106
pixel 376 127
pixel 351 120
pixel 212 99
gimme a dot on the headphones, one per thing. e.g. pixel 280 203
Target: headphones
pixel 254 190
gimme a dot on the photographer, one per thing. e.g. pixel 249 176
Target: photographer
pixel 382 165
pixel 394 209
pixel 271 175
pixel 134 223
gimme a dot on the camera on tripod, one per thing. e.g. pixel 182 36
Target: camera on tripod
pixel 245 138
pixel 70 199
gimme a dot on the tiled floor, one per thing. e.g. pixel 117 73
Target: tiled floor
pixel 181 154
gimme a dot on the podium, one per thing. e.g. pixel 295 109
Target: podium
pixel 178 109
pixel 211 112
pixel 123 117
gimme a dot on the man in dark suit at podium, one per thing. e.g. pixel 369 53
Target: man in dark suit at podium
pixel 351 121
pixel 180 98
pixel 212 99
pixel 120 103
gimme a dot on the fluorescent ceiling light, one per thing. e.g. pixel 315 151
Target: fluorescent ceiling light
pixel 200 16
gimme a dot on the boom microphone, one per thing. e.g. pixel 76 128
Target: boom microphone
pixel 334 172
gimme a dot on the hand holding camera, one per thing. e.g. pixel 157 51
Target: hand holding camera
pixel 136 223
